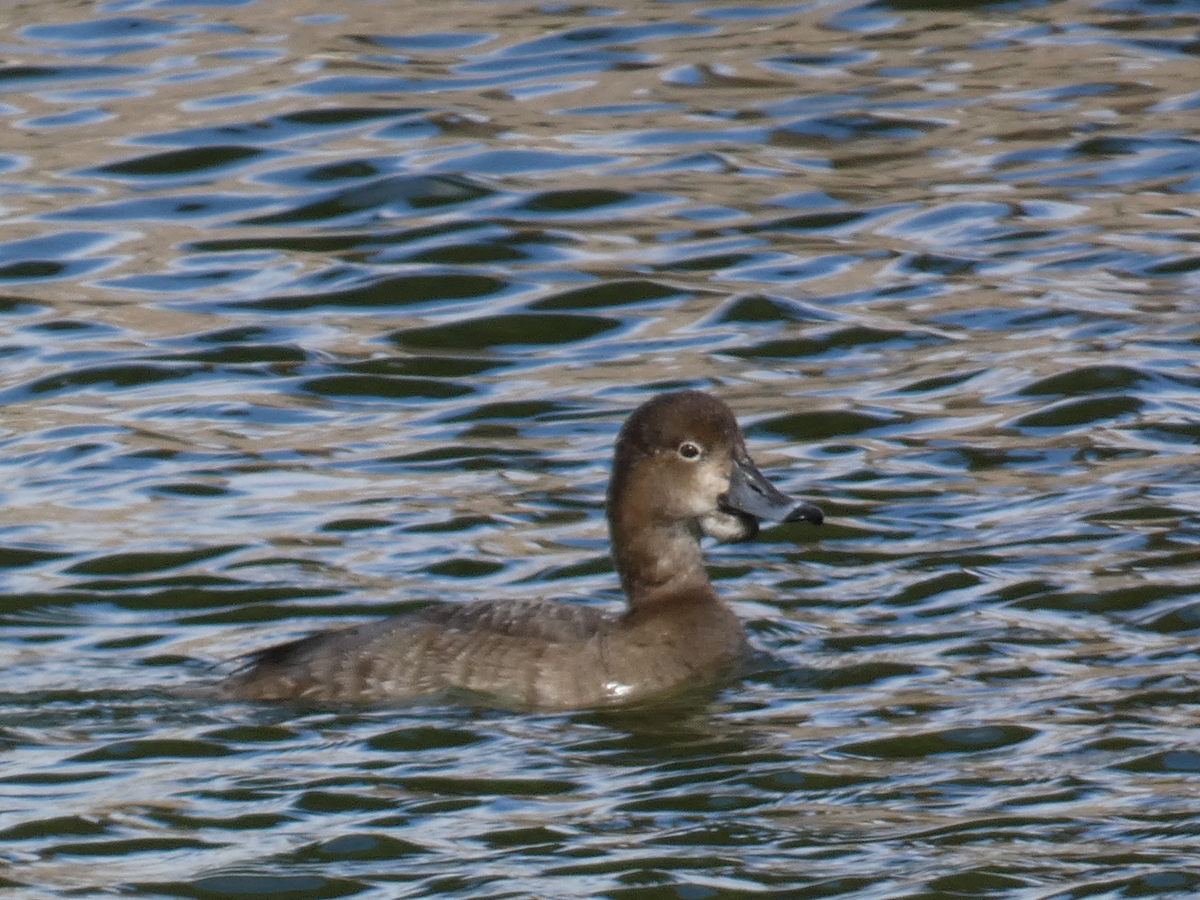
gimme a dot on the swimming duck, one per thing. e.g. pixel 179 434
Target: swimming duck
pixel 680 470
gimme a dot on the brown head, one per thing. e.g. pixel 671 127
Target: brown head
pixel 681 469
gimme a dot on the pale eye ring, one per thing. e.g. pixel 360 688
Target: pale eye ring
pixel 690 450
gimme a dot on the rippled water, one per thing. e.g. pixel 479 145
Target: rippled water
pixel 312 314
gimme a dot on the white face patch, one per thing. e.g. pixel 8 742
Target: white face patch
pixel 708 486
pixel 724 527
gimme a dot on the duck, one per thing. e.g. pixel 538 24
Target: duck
pixel 680 471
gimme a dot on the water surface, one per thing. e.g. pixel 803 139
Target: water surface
pixel 315 314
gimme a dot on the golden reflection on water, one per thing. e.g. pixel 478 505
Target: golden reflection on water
pixel 940 261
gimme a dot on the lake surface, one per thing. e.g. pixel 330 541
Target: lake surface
pixel 313 313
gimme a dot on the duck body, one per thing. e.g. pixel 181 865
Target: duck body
pixel 680 470
pixel 532 654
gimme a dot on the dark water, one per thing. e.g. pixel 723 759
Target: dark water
pixel 312 313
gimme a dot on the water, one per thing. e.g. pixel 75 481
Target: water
pixel 314 314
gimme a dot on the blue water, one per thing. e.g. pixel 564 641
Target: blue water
pixel 313 314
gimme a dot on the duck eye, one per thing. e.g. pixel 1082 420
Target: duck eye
pixel 689 450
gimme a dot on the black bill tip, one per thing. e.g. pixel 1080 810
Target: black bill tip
pixel 805 512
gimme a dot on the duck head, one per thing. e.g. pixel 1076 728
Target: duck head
pixel 681 469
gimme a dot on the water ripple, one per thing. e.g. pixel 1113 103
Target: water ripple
pixel 321 316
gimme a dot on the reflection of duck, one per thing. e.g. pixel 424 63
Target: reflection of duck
pixel 681 469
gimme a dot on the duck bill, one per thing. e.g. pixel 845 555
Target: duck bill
pixel 750 494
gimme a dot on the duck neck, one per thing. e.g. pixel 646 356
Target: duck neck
pixel 657 561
